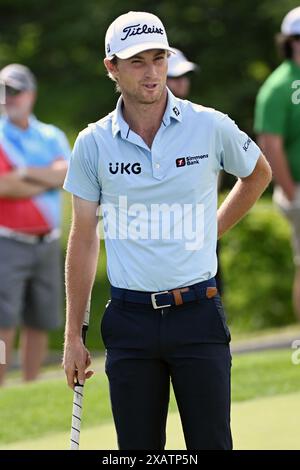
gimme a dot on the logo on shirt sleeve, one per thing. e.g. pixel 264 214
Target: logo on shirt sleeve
pixel 246 144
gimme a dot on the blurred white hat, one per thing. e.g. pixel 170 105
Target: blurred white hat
pixel 179 64
pixel 291 22
pixel 18 76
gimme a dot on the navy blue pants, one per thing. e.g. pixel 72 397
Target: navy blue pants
pixel 145 349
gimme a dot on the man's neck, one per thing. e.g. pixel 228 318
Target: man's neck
pixel 145 119
pixel 22 123
pixel 296 59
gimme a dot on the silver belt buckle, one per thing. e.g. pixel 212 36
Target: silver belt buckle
pixel 153 299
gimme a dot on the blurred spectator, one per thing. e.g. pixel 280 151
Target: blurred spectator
pixel 178 74
pixel 179 82
pixel 32 169
pixel 277 122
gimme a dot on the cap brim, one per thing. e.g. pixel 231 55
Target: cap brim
pixel 146 46
pixel 182 69
pixel 14 84
pixel 290 31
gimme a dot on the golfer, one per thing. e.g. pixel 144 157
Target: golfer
pixel 153 165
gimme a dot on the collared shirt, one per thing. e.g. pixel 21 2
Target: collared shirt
pixel 38 145
pixel 159 204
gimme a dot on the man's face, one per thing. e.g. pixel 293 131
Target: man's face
pixel 295 43
pixel 18 105
pixel 143 76
pixel 179 86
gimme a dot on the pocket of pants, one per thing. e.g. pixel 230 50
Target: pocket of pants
pixel 104 319
pixel 222 316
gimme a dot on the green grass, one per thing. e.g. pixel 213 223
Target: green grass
pixel 264 374
pixel 41 408
pixel 264 423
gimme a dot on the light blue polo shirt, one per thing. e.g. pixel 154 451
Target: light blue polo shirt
pixel 159 205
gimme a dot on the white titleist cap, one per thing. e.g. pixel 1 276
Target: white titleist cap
pixel 134 32
pixel 179 65
pixel 291 22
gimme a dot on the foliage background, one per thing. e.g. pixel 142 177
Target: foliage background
pixel 63 43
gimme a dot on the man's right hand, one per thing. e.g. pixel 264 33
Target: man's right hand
pixel 75 361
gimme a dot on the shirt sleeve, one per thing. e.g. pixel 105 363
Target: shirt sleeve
pixel 271 111
pixel 236 153
pixel 82 176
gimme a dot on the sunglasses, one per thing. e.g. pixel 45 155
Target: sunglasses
pixel 296 37
pixel 10 91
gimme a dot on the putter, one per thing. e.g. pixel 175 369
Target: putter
pixel 78 392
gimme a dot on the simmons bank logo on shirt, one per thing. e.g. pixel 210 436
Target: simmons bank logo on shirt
pixel 183 161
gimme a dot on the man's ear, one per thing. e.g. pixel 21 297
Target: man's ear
pixel 110 66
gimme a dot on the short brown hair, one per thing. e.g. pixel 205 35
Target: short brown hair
pixel 114 61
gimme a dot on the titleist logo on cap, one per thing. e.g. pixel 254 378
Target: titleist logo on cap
pixel 136 29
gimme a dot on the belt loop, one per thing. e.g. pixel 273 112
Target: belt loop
pixel 177 295
pixel 121 297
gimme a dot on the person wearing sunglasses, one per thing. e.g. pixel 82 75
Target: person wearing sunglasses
pixel 33 164
pixel 277 123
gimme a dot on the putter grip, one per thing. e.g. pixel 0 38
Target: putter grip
pixel 76 416
pixel 78 392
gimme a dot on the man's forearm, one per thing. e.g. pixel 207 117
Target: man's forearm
pixel 51 177
pixel 243 196
pixel 272 146
pixel 81 266
pixel 12 187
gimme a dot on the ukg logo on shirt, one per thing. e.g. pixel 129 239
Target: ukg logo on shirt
pixel 128 168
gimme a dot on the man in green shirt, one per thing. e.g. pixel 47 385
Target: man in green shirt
pixel 277 123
